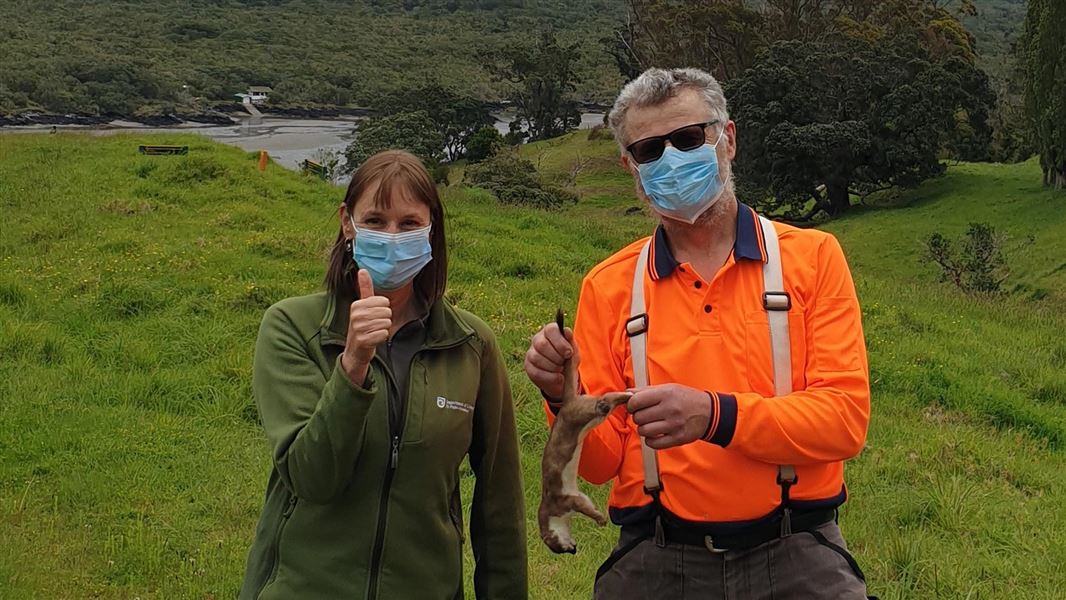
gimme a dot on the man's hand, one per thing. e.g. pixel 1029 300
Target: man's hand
pixel 544 360
pixel 670 415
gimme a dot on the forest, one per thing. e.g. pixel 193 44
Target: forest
pixel 145 57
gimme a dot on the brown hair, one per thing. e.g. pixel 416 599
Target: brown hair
pixel 394 169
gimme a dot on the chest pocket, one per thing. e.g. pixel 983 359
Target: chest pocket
pixel 441 399
pixel 759 366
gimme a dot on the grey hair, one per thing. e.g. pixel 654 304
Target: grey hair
pixel 656 86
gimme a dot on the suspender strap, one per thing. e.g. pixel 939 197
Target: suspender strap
pixel 637 330
pixel 777 303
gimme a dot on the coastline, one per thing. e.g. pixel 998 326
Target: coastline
pixel 232 114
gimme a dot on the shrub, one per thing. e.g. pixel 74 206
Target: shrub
pixel 440 173
pixel 191 169
pixel 514 137
pixel 332 161
pixel 414 132
pixel 600 132
pixel 483 144
pixel 514 180
pixel 976 264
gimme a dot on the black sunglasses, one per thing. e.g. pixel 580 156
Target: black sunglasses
pixel 684 138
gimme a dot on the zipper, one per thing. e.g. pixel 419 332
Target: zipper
pixel 396 419
pixel 379 535
pixel 395 424
pixel 395 429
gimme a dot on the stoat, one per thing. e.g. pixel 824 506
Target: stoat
pixel 560 497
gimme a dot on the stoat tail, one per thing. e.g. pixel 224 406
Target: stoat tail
pixel 569 370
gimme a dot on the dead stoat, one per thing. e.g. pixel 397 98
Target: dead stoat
pixel 560 497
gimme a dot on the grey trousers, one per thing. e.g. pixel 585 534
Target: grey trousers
pixel 795 567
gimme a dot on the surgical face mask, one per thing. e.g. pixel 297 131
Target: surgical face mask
pixel 682 185
pixel 392 259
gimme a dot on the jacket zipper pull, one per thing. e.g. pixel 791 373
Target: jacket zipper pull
pixel 395 451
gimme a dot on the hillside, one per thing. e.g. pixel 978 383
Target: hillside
pixel 131 288
pixel 144 57
pixel 997 26
pixel 124 56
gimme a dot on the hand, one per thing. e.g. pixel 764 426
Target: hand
pixel 670 415
pixel 369 320
pixel 544 360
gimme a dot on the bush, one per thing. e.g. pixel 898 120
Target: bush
pixel 515 137
pixel 483 144
pixel 332 162
pixel 514 180
pixel 600 132
pixel 977 265
pixel 414 132
pixel 190 169
pixel 547 197
pixel 440 174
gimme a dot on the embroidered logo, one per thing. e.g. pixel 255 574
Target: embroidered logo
pixel 443 402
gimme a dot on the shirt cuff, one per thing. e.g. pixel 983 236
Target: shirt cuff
pixel 368 382
pixel 723 421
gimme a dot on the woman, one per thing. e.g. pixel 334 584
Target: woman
pixel 371 394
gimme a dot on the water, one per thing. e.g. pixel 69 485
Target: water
pixel 288 141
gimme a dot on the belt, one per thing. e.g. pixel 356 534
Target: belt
pixel 746 537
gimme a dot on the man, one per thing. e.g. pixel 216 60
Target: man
pixel 749 391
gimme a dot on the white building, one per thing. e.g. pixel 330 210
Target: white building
pixel 257 94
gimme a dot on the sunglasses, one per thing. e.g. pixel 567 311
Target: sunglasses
pixel 684 138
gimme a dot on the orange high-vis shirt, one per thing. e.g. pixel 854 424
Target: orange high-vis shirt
pixel 714 336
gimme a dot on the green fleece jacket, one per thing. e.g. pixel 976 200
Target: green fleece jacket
pixel 364 505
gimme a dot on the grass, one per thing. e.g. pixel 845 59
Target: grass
pixel 131 463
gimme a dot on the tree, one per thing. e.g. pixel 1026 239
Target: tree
pixel 1045 85
pixel 661 33
pixel 414 132
pixel 730 33
pixel 515 180
pixel 456 116
pixel 542 82
pixel 825 121
pixel 976 264
pixel 483 144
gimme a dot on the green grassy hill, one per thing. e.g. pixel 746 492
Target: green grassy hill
pixel 131 464
pixel 135 56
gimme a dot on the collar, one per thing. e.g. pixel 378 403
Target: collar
pixel 749 244
pixel 443 324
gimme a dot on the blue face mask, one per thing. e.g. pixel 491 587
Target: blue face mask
pixel 392 259
pixel 683 185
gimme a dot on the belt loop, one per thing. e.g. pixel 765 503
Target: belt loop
pixel 660 535
pixel 786 522
pixel 786 482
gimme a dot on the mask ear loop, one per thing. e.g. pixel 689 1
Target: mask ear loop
pixel 725 183
pixel 348 243
pixel 719 140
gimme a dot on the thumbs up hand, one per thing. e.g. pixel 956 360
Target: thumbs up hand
pixel 369 320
